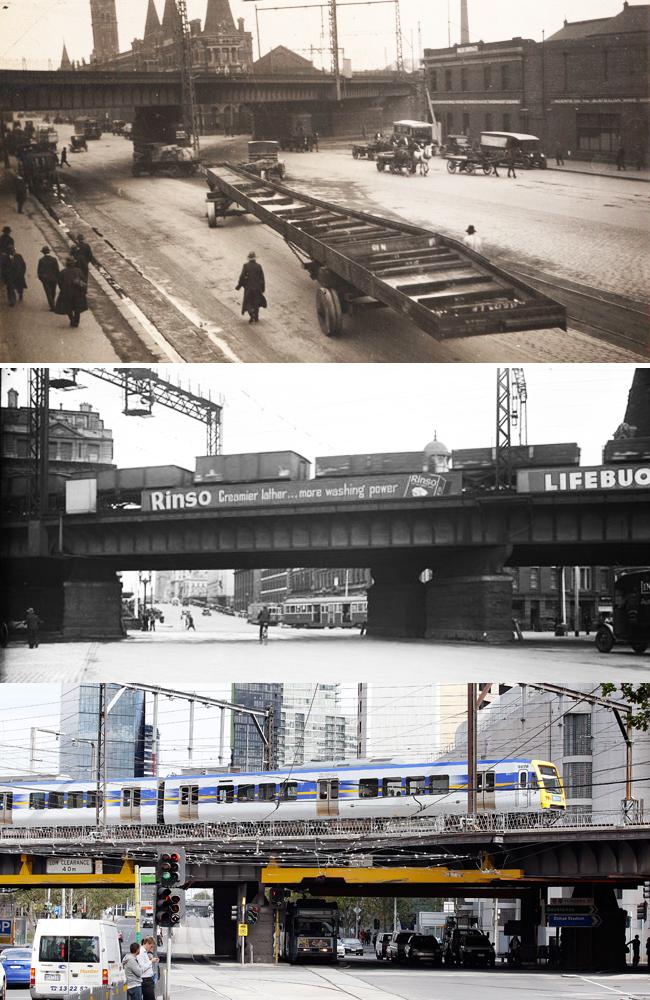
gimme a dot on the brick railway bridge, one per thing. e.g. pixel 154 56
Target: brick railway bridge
pixel 66 565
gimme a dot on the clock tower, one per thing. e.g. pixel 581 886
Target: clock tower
pixel 105 37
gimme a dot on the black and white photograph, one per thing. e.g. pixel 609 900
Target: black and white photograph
pixel 324 499
pixel 369 180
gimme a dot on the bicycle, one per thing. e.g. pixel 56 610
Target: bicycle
pixel 264 633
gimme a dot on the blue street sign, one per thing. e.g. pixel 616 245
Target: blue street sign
pixel 573 920
pixel 6 932
pixel 57 911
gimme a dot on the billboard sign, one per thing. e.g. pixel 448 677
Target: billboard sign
pixel 305 493
pixel 584 480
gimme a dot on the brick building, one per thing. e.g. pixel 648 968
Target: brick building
pixel 537 602
pixel 583 89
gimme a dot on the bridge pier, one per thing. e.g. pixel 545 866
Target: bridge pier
pixel 260 941
pixel 396 602
pixel 470 597
pixel 603 947
pixel 92 603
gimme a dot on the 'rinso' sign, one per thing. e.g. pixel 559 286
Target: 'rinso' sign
pixel 623 477
pixel 305 492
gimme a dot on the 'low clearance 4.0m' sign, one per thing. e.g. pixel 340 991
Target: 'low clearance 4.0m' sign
pixel 608 478
pixel 415 486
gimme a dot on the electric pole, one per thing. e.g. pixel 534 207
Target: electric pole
pixel 334 39
pixel 190 116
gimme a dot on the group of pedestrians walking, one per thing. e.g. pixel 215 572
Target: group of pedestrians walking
pixel 139 965
pixel 64 287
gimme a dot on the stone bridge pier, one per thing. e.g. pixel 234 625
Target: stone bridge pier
pixel 466 596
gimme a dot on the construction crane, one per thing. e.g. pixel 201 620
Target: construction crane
pixel 511 411
pixel 141 388
pixel 185 59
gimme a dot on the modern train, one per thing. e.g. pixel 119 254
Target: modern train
pixel 387 788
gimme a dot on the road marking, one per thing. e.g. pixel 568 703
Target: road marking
pixel 612 989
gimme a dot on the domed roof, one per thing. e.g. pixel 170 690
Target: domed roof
pixel 436 447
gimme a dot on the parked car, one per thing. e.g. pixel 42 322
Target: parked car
pixel 381 944
pixel 66 952
pixel 17 963
pixel 206 612
pixel 526 149
pixel 352 946
pixel 470 947
pixel 3 982
pixel 423 948
pixel 396 945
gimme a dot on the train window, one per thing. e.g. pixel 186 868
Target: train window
pixel 126 796
pixel 246 793
pixel 194 797
pixel 225 793
pixel 334 789
pixel 439 784
pixel 489 781
pixel 368 788
pixel 290 790
pixel 55 800
pixel 523 779
pixel 37 800
pixel 322 789
pixel 93 799
pixel 479 782
pixel 189 794
pixel 391 787
pixel 137 796
pixel 267 793
pixel 532 781
pixel 416 786
pixel 75 800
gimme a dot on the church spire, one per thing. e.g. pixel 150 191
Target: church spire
pixel 152 26
pixel 170 19
pixel 65 59
pixel 218 18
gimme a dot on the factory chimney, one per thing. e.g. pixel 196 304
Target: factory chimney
pixel 464 23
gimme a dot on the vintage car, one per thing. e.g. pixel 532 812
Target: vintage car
pixel 264 159
pixel 526 148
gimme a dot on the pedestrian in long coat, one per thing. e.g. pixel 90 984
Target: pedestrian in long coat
pixel 6 239
pixel 251 280
pixel 14 270
pixel 20 188
pixel 83 255
pixel 72 294
pixel 48 275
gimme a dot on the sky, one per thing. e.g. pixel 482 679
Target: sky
pixel 339 409
pixel 36 29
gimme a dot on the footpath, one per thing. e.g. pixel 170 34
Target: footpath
pixel 29 332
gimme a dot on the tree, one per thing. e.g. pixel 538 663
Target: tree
pixel 637 695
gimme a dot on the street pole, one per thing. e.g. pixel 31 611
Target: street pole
pixel 257 28
pixel 222 732
pixel 168 963
pixel 138 932
pixel 563 594
pixel 190 739
pixel 101 747
pixel 394 914
pixel 242 918
pixel 154 738
pixel 471 750
pixel 576 600
pixel 105 761
pixel 63 904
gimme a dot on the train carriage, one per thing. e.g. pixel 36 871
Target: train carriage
pixel 325 612
pixel 358 790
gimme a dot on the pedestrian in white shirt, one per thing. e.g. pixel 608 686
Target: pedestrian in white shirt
pixel 146 960
pixel 473 240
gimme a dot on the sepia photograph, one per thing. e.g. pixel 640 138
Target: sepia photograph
pixel 369 180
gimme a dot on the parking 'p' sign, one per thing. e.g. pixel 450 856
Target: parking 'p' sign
pixel 6 932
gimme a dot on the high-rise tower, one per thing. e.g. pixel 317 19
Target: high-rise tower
pixel 105 37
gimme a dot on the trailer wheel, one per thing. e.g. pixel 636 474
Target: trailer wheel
pixel 451 166
pixel 487 169
pixel 470 167
pixel 604 640
pixel 355 154
pixel 380 166
pixel 212 215
pixel 328 310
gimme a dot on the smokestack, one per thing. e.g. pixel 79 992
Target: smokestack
pixel 464 23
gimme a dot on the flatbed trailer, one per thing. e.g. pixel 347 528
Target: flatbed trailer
pixel 363 261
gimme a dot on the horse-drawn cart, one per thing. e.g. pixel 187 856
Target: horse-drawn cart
pixel 469 163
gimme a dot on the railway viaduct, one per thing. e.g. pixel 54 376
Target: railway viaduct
pixel 66 565
pixel 85 92
pixel 529 865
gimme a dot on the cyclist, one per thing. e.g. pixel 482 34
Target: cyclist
pixel 263 619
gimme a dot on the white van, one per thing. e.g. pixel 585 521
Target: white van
pixel 69 955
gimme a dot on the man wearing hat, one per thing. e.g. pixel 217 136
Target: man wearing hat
pixel 33 622
pixel 251 280
pixel 6 239
pixel 473 240
pixel 48 275
pixel 72 295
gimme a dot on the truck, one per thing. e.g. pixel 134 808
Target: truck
pixel 161 145
pixel 89 128
pixel 310 930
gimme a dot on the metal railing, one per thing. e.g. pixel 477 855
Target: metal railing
pixel 337 828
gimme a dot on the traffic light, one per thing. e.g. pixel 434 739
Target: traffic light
pixel 642 910
pixel 170 868
pixel 170 897
pixel 252 913
pixel 646 890
pixel 234 912
pixel 278 896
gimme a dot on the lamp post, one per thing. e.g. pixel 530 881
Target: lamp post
pixel 144 577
